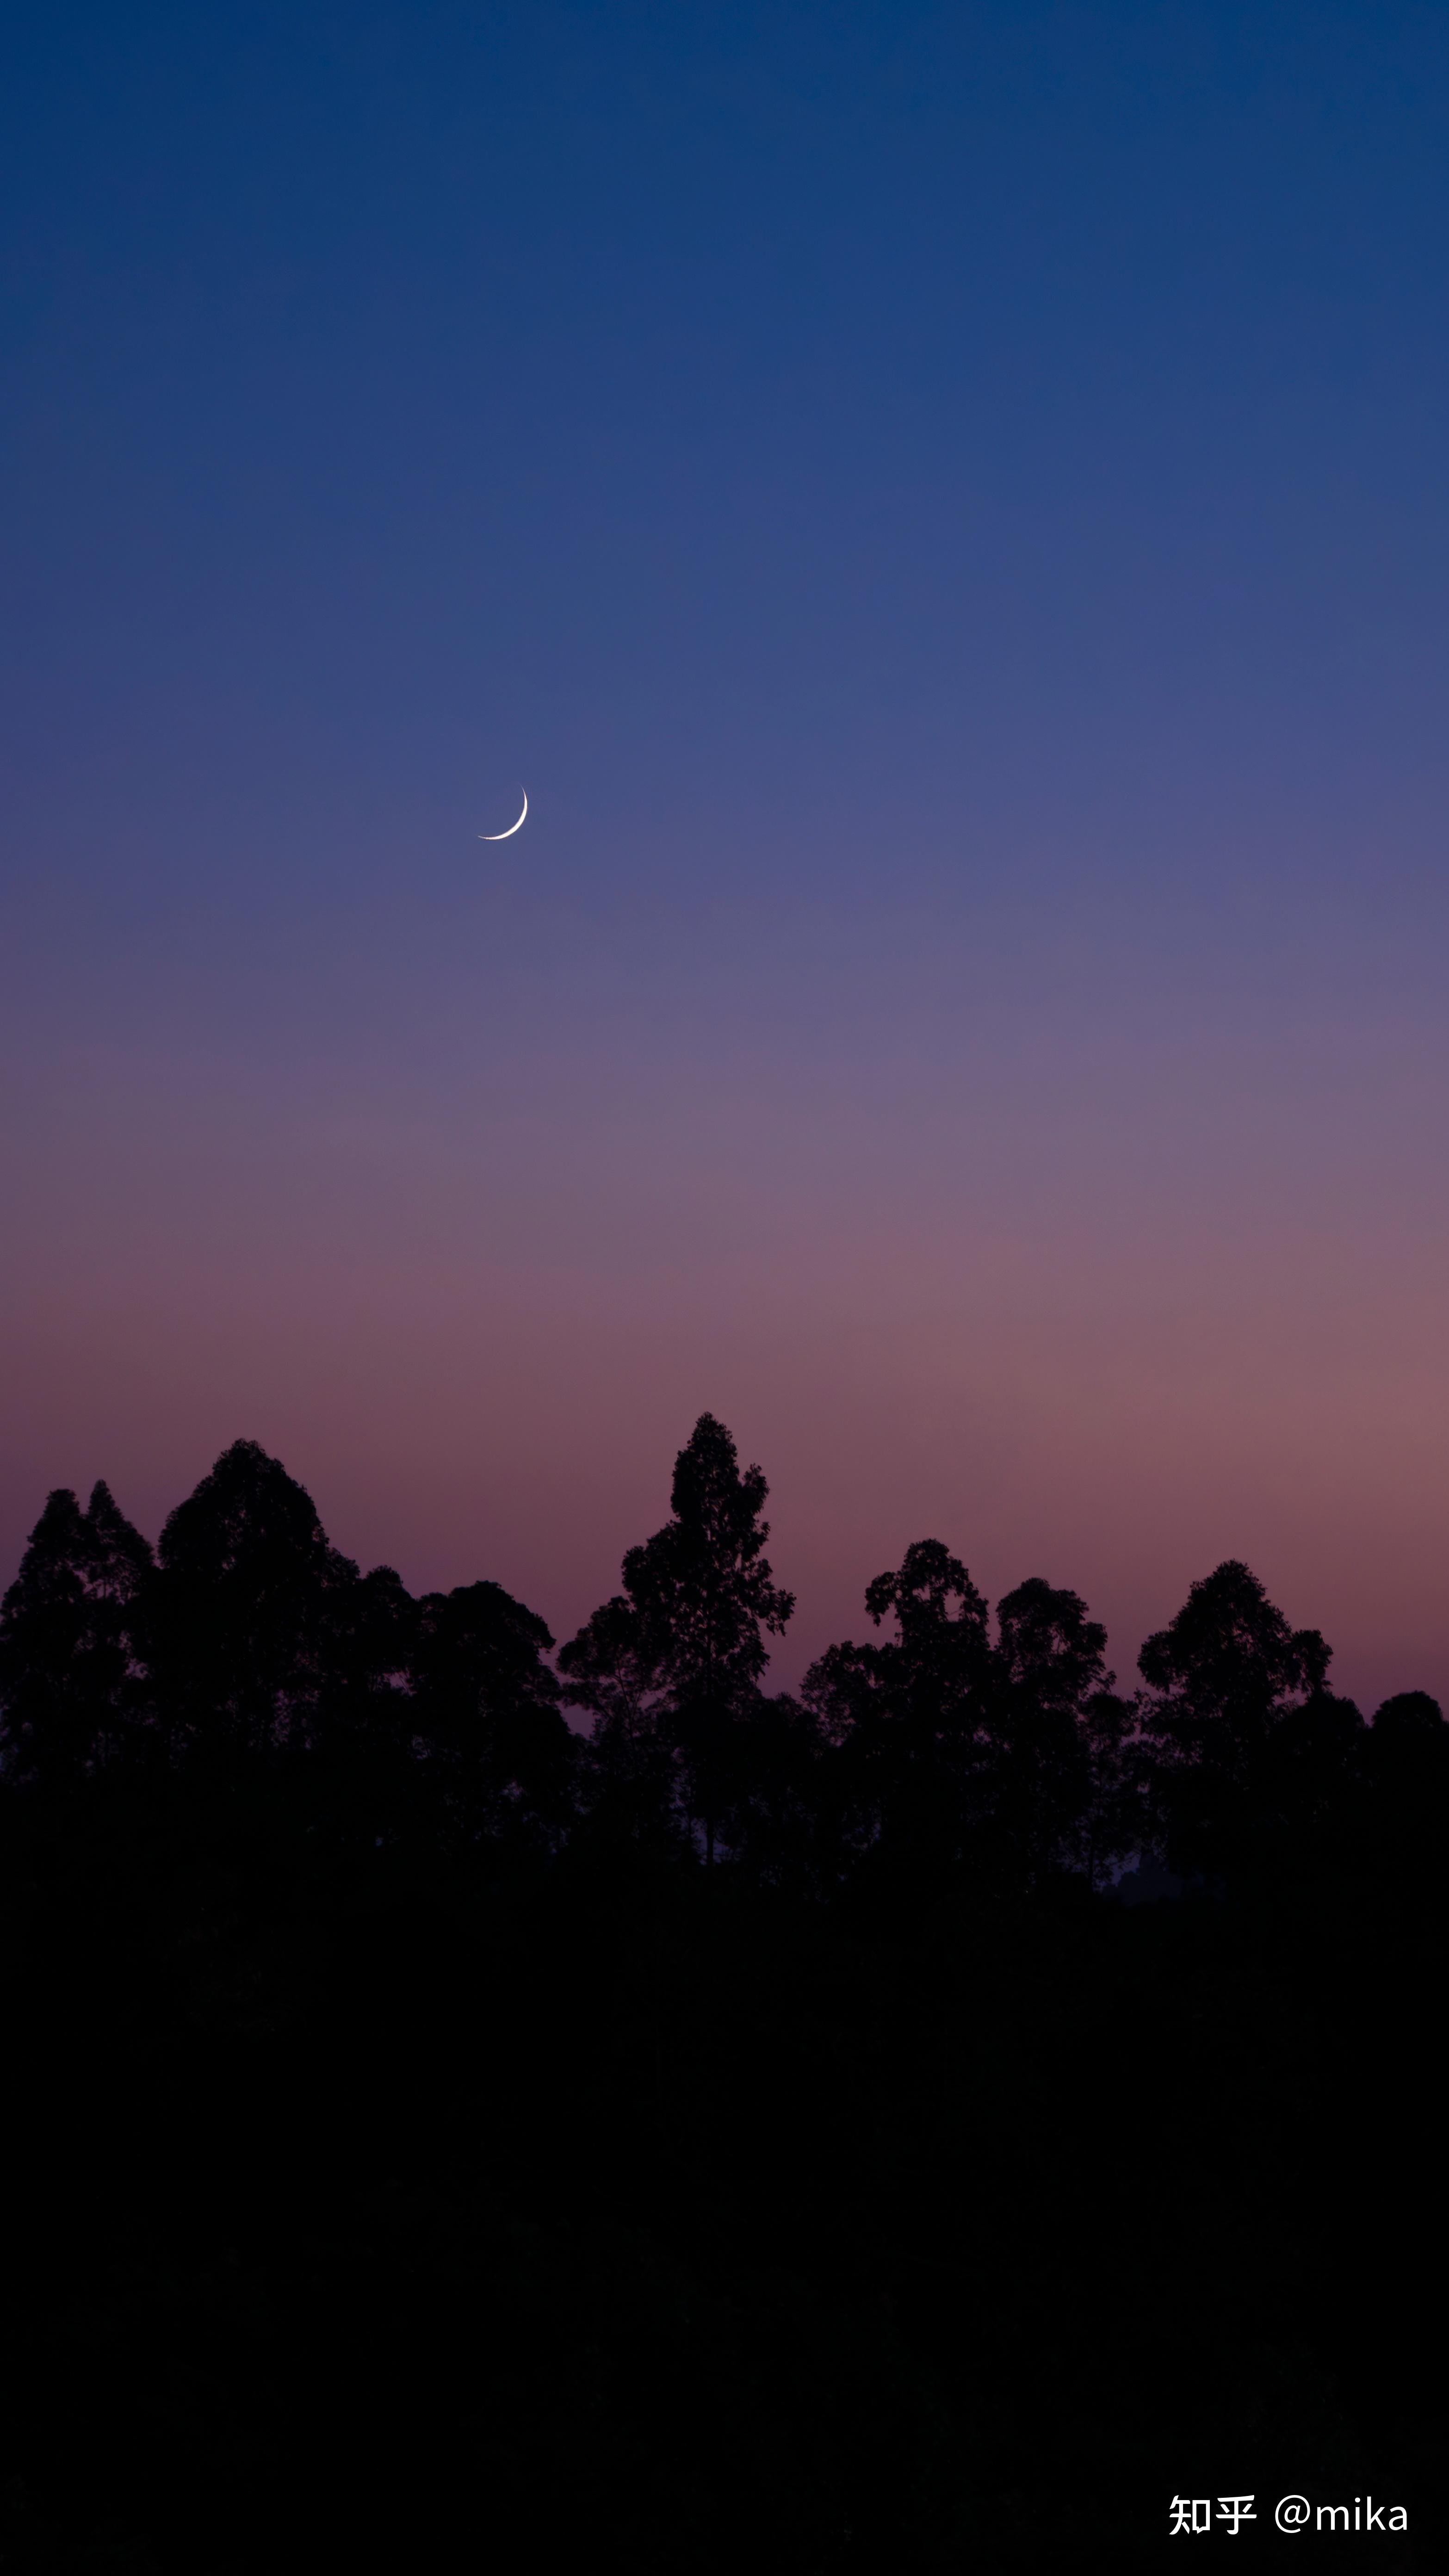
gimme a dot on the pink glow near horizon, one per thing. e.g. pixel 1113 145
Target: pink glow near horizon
pixel 944 510
pixel 1073 1361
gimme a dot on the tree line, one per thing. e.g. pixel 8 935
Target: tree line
pixel 946 1746
pixel 471 2101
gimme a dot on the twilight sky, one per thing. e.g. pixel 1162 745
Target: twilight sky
pixel 945 509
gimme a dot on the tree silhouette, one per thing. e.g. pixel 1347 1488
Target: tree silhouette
pixel 908 1716
pixel 1404 1767
pixel 484 1712
pixel 1221 1681
pixel 670 1667
pixel 617 1668
pixel 71 1696
pixel 1410 1717
pixel 245 1609
pixel 1055 1730
pixel 441 2165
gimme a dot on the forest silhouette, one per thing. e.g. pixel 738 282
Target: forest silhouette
pixel 472 2101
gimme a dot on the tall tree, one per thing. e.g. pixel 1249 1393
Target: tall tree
pixel 671 1666
pixel 1222 1680
pixel 246 1607
pixel 907 1716
pixel 1056 1730
pixel 485 1715
pixel 953 1749
pixel 71 1686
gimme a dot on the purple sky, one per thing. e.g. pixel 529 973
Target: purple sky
pixel 945 512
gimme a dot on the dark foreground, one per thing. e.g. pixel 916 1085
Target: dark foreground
pixel 354 2205
pixel 759 2136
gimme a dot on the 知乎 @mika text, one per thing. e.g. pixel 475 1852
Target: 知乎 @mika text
pixel 1192 2516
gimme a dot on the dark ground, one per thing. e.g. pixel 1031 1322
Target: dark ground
pixel 361 2207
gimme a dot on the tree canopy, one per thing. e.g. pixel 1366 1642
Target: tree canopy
pixel 472 2100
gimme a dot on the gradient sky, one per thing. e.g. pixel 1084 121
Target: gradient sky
pixel 946 512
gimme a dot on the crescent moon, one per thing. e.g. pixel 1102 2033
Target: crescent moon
pixel 512 828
